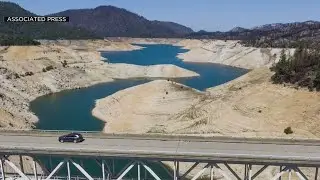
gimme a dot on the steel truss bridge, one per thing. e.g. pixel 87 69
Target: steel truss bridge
pixel 218 154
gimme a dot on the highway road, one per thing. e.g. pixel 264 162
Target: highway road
pixel 191 150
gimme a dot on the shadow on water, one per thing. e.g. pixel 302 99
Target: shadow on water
pixel 71 109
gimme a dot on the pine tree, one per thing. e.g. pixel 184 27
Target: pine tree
pixel 316 81
pixel 282 66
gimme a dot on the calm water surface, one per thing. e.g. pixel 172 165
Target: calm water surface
pixel 210 74
pixel 71 110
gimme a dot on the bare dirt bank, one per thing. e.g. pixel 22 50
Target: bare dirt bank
pixel 250 106
pixel 137 109
pixel 229 52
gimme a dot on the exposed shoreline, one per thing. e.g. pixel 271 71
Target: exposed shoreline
pixel 230 53
pixel 159 88
pixel 85 67
pixel 249 106
pixel 201 112
pixel 264 58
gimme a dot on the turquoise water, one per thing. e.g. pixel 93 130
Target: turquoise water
pixel 210 74
pixel 71 109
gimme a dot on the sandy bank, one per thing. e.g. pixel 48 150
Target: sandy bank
pixel 139 108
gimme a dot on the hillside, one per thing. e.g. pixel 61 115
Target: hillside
pixel 269 35
pixel 114 22
pixel 175 27
pixel 36 30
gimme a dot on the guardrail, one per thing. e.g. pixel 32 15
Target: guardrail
pixel 165 137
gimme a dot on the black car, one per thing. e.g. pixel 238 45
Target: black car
pixel 72 137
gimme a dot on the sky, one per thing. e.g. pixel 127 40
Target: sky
pixel 209 15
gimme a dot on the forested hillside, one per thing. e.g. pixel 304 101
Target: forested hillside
pixel 270 35
pixel 111 21
pixel 302 68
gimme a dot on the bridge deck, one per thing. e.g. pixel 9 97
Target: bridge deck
pixel 182 149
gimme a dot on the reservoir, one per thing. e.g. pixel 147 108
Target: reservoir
pixel 71 109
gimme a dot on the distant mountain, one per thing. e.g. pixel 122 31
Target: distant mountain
pixel 286 34
pixel 202 31
pixel 116 22
pixel 284 26
pixel 238 29
pixel 269 35
pixel 269 27
pixel 36 30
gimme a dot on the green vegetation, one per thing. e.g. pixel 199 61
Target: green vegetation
pixel 40 30
pixel 301 69
pixel 29 73
pixel 288 130
pixel 110 21
pixel 17 41
pixel 64 63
